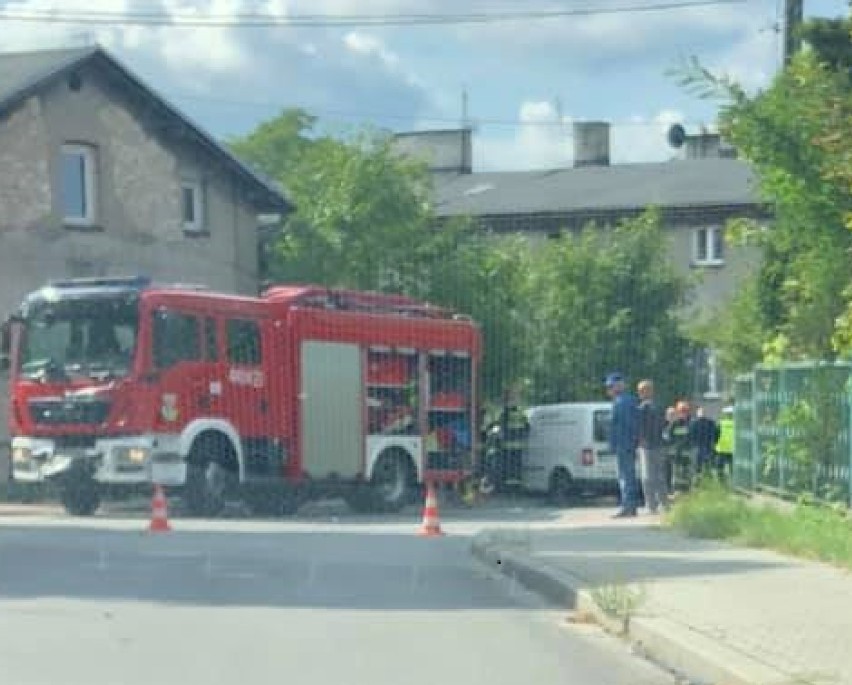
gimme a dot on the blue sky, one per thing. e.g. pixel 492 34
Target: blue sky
pixel 518 75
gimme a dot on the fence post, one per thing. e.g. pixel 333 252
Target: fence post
pixel 849 438
pixel 755 452
pixel 782 431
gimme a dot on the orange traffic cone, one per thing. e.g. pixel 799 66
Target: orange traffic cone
pixel 431 525
pixel 159 512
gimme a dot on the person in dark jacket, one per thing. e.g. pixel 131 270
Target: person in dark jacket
pixel 703 436
pixel 652 425
pixel 623 440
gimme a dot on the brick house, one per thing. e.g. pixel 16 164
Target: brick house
pixel 696 194
pixel 99 175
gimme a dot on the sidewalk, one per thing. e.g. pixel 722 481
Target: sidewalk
pixel 711 612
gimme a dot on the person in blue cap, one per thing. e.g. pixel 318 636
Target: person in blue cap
pixel 623 440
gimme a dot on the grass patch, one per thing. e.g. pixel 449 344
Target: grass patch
pixel 808 531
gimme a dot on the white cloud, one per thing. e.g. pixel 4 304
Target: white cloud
pixel 366 44
pixel 752 61
pixel 644 139
pixel 540 142
pixel 217 49
pixel 372 47
pixel 611 37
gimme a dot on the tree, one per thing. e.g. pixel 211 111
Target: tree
pixel 364 220
pixel 831 40
pixel 796 134
pixel 607 299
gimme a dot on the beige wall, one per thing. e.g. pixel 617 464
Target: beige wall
pixel 138 200
pixel 715 285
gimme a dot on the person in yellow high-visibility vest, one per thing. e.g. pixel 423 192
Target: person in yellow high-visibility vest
pixel 725 444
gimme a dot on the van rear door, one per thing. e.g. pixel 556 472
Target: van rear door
pixel 604 459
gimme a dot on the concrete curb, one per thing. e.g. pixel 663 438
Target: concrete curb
pixel 673 645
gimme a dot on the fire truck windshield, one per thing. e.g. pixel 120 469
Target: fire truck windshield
pixel 93 337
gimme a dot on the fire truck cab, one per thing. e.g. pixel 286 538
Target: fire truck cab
pixel 301 393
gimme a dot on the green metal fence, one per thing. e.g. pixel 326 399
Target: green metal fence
pixel 792 430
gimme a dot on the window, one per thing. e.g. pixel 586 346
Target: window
pixel 211 339
pixel 708 246
pixel 177 338
pixel 709 379
pixel 192 206
pixel 244 342
pixel 601 423
pixel 78 181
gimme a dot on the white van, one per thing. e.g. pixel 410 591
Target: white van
pixel 567 451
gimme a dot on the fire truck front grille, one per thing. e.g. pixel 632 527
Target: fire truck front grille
pixel 61 412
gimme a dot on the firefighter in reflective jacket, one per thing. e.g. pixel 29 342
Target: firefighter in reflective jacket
pixel 725 445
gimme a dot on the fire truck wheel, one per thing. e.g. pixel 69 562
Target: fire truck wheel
pixel 390 487
pixel 80 495
pixel 212 464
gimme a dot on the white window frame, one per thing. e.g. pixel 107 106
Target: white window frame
pixel 90 180
pixel 713 390
pixel 197 189
pixel 707 236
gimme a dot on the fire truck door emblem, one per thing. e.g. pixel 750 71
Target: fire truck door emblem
pixel 169 410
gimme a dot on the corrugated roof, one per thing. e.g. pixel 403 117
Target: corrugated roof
pixel 679 183
pixel 23 73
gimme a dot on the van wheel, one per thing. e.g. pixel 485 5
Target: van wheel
pixel 562 490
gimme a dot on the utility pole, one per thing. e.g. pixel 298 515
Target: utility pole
pixel 793 18
pixel 465 121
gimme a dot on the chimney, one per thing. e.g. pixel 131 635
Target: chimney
pixel 591 143
pixel 704 146
pixel 443 151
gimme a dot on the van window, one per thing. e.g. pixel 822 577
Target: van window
pixel 602 421
pixel 177 338
pixel 244 342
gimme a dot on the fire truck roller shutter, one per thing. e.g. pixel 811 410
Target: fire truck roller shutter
pixel 213 469
pixel 331 409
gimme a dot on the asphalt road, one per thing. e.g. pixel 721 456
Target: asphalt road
pixel 329 601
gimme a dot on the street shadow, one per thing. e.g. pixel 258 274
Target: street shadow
pixel 603 555
pixel 504 509
pixel 365 570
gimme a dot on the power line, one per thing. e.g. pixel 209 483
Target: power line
pixel 261 20
pixel 395 116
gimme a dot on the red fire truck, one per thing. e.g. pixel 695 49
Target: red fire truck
pixel 303 392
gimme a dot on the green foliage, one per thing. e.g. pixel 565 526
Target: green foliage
pixel 555 317
pixel 735 330
pixel 831 40
pixel 604 299
pixel 796 134
pixel 709 512
pixel 812 425
pixel 807 531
